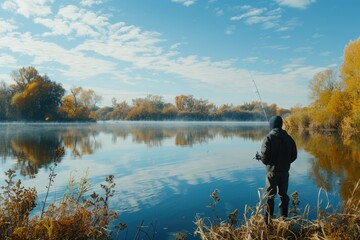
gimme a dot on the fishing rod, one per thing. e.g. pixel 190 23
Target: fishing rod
pixel 257 91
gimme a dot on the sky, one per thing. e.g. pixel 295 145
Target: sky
pixel 211 49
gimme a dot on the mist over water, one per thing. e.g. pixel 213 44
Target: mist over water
pixel 165 171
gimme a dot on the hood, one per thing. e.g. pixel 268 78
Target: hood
pixel 275 122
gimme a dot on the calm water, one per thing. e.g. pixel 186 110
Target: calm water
pixel 165 172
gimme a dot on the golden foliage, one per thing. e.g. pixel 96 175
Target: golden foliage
pixel 344 224
pixel 74 217
pixel 336 102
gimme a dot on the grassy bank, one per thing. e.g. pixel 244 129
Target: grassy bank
pixel 341 224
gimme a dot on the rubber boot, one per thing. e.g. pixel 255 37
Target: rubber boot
pixel 283 208
pixel 269 210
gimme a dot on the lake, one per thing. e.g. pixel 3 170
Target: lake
pixel 166 171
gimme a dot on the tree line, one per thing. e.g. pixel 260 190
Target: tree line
pixel 335 98
pixel 34 97
pixel 186 107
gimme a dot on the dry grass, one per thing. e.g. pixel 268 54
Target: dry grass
pixel 77 216
pixel 343 224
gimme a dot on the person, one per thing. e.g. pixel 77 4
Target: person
pixel 278 151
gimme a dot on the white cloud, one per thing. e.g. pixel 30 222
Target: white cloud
pixel 89 3
pixel 28 8
pixel 302 4
pixel 71 19
pixel 252 12
pixel 186 3
pixel 267 18
pixel 123 44
pixel 74 64
pixel 7 26
pixel 7 60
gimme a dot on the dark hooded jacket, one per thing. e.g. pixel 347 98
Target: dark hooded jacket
pixel 278 149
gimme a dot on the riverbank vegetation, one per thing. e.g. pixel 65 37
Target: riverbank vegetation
pixel 78 215
pixel 335 98
pixel 34 97
pixel 329 223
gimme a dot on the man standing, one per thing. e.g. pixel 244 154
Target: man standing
pixel 278 151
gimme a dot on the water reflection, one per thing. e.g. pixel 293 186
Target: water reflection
pixel 334 162
pixel 32 150
pixel 160 168
pixel 33 145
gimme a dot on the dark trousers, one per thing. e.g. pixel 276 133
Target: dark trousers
pixel 277 182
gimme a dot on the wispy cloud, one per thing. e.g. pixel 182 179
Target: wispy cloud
pixel 275 47
pixel 285 37
pixel 301 4
pixel 251 59
pixel 28 8
pixel 267 18
pixel 73 64
pixel 186 3
pixel 303 49
pixel 7 26
pixel 317 35
pixel 71 19
pixel 7 60
pixel 219 12
pixel 102 47
pixel 229 30
pixel 251 13
pixel 89 3
pixel 326 53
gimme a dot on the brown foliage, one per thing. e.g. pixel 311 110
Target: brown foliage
pixel 344 224
pixel 76 216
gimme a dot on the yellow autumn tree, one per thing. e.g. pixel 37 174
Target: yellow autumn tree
pixel 326 90
pixel 80 104
pixel 350 72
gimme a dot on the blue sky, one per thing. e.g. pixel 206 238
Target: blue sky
pixel 207 48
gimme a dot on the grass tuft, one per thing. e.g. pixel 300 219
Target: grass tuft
pixel 342 224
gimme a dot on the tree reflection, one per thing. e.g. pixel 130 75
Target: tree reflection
pixel 153 135
pixel 81 140
pixel 334 160
pixel 32 151
pixel 33 145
